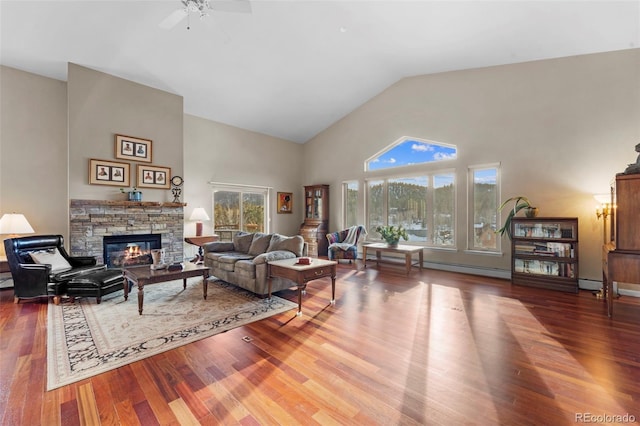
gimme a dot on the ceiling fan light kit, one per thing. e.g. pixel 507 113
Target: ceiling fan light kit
pixel 202 7
pixel 199 6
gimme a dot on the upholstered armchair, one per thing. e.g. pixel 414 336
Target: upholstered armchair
pixel 41 267
pixel 345 246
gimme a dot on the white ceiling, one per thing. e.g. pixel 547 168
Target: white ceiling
pixel 287 69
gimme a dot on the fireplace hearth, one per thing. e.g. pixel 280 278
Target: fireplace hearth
pixel 120 251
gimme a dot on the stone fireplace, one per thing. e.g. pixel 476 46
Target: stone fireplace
pixel 130 249
pixel 91 220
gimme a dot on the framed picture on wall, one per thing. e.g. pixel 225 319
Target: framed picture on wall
pixel 135 149
pixel 153 177
pixel 103 172
pixel 285 202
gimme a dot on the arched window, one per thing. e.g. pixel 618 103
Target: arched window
pixel 421 201
pixel 408 151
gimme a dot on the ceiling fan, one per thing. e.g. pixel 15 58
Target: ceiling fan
pixel 202 7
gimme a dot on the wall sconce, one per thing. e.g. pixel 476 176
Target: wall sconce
pixel 604 210
pixel 15 224
pixel 199 215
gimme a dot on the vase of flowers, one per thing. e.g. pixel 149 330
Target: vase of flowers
pixel 392 234
pixel 133 195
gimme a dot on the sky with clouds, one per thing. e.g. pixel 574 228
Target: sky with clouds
pixel 412 152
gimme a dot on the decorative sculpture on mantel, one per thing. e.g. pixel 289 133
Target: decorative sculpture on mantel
pixel 177 182
pixel 635 167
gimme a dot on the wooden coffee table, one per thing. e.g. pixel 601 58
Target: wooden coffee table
pixel 143 275
pixel 302 274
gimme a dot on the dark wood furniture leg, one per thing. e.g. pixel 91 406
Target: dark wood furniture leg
pixel 205 284
pixel 140 297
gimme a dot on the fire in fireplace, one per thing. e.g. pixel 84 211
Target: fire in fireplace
pixel 129 250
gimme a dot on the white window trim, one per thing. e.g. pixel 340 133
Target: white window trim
pixel 402 140
pixel 470 230
pixel 267 191
pixel 345 185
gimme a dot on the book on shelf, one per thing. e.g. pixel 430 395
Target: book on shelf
pixel 550 249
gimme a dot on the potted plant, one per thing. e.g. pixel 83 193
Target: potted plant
pixel 391 234
pixel 133 195
pixel 519 203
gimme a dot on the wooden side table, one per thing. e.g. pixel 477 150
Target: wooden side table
pixel 4 264
pixel 200 241
pixel 302 274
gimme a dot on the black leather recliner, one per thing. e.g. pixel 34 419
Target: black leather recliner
pixel 36 280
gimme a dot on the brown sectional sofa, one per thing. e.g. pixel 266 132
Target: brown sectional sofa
pixel 243 261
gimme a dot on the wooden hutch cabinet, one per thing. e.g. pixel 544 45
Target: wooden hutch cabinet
pixel 544 253
pixel 627 219
pixel 621 256
pixel 316 219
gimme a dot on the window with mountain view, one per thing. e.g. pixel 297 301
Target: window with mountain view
pixel 350 203
pixel 483 203
pixel 423 205
pixel 239 210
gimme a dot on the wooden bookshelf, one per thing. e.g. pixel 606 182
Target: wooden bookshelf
pixel 544 253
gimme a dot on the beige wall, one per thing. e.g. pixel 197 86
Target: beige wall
pixel 216 152
pixel 33 150
pixel 101 106
pixel 561 129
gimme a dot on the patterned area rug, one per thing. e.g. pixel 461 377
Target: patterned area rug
pixel 85 339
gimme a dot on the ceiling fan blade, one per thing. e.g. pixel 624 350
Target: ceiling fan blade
pixel 236 6
pixel 173 19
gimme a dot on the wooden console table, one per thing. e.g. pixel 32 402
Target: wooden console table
pixel 408 252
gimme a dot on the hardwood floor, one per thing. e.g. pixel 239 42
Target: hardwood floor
pixel 435 348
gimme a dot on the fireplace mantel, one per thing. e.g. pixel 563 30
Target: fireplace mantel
pixel 124 203
pixel 91 220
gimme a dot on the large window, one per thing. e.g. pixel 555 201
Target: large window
pixel 350 203
pixel 444 209
pixel 424 205
pixel 239 209
pixel 483 206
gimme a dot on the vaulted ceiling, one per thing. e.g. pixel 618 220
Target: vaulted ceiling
pixel 292 68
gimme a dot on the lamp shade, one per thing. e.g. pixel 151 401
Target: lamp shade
pixel 199 214
pixel 15 223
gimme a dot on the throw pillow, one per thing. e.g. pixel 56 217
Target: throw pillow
pixel 293 244
pixel 242 241
pixel 259 244
pixel 51 257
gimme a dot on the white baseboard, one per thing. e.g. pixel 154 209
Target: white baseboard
pixel 473 270
pixel 583 284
